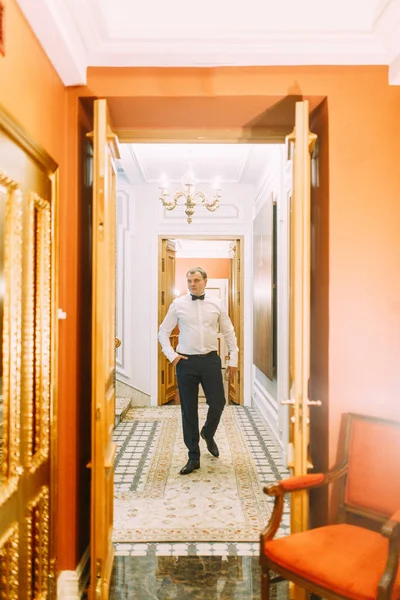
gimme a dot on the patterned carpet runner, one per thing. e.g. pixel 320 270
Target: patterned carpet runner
pixel 223 501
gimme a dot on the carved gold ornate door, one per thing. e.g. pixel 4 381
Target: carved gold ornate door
pixel 105 151
pixel 300 145
pixel 28 366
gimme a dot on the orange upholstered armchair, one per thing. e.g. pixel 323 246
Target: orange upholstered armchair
pixel 357 556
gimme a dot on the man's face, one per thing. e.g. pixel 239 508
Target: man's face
pixel 196 284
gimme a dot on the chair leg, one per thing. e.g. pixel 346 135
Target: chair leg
pixel 265 583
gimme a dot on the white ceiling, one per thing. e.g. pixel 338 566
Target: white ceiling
pixel 168 163
pixel 77 34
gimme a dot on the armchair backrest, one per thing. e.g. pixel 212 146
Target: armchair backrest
pixel 372 487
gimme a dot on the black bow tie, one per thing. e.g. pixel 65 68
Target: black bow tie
pixel 197 297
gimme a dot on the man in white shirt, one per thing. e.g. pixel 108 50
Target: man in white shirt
pixel 197 362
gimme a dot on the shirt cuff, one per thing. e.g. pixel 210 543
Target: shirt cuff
pixel 233 359
pixel 172 356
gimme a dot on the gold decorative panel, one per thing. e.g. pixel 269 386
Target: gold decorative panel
pixel 37 331
pixel 9 556
pixel 11 282
pixel 28 365
pixel 38 546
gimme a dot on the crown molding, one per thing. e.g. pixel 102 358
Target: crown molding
pixel 303 48
pixel 53 25
pixel 394 71
pixel 75 36
pixel 387 26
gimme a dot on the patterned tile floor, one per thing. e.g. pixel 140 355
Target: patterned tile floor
pixel 189 578
pixel 135 443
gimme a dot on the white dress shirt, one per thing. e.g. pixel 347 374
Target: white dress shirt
pixel 198 327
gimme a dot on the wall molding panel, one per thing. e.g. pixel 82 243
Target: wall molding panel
pixel 125 231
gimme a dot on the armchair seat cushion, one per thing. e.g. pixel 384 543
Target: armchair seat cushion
pixel 345 559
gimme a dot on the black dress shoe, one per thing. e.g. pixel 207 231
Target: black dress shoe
pixel 211 445
pixel 190 466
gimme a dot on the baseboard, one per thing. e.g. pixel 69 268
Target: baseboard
pixel 266 405
pixel 72 584
pixel 139 398
pixel 68 586
pixel 122 405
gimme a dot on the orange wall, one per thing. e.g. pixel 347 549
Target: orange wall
pixel 364 207
pixel 34 94
pixel 30 88
pixel 216 268
pixel 364 211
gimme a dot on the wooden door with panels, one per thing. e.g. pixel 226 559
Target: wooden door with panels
pixel 28 319
pixel 167 386
pixel 105 152
pixel 235 313
pixel 300 145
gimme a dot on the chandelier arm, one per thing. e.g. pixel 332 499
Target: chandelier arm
pixel 179 195
pixel 212 207
pixel 168 204
pixel 201 195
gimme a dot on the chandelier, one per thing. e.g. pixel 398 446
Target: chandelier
pixel 189 196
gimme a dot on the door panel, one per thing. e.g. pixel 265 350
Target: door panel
pixel 319 359
pixel 300 145
pixel 167 387
pixel 234 311
pixel 28 274
pixel 105 151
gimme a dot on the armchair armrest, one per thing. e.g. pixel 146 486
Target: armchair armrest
pixel 295 484
pixel 391 530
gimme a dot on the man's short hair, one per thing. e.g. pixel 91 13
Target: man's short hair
pixel 197 270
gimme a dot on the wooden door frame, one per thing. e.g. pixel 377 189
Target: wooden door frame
pixel 211 238
pixel 236 135
pixel 164 300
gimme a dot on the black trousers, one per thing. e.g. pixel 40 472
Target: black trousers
pixel 204 369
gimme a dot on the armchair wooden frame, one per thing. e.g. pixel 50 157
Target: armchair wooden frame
pixel 389 526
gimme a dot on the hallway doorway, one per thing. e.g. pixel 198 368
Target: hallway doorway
pixel 299 425
pixel 220 258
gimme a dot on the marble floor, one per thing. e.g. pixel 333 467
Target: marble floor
pixel 187 571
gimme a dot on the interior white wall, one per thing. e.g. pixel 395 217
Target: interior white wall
pixel 268 395
pixel 233 218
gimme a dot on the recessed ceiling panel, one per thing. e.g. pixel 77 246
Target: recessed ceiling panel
pixel 165 164
pixel 208 161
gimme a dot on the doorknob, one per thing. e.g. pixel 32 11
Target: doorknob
pixel 117 342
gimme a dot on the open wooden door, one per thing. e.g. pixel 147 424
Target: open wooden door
pixel 234 311
pixel 300 145
pixel 105 151
pixel 167 386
